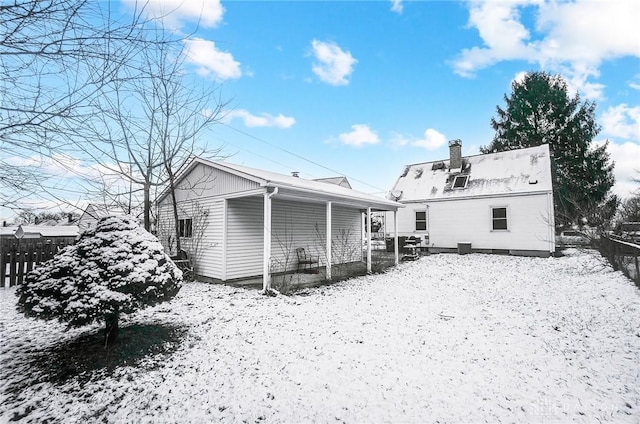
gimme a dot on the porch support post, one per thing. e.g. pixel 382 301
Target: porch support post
pixel 395 236
pixel 225 207
pixel 266 269
pixel 368 221
pixel 328 246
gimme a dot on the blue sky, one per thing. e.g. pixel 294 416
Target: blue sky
pixel 366 87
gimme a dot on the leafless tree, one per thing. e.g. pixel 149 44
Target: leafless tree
pixel 149 122
pixel 55 58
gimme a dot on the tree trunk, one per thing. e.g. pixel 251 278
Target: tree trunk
pixel 147 206
pixel 111 328
pixel 174 203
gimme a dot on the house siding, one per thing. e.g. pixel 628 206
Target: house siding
pixel 528 218
pixel 245 228
pixel 207 181
pixel 205 247
pixel 346 235
pixel 297 224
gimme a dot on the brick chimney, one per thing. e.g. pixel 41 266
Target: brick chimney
pixel 455 154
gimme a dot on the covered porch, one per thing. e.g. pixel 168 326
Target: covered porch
pixel 330 228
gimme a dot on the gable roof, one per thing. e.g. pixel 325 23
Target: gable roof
pixel 341 181
pixel 512 172
pixel 294 187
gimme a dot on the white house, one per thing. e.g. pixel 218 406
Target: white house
pixel 93 212
pixel 238 222
pixel 499 202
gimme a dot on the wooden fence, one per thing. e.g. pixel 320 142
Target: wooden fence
pixel 17 258
pixel 623 256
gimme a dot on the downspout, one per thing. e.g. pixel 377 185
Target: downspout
pixel 368 221
pixel 552 224
pixel 266 271
pixel 428 227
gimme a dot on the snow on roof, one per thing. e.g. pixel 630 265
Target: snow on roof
pixel 273 179
pixel 511 172
pixel 43 230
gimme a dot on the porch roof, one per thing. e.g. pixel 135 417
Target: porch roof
pixel 295 188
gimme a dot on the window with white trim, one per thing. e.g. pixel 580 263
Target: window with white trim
pixel 185 227
pixel 421 221
pixel 499 218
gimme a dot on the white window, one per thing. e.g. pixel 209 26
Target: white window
pixel 460 181
pixel 499 218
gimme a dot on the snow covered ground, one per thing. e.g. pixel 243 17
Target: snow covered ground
pixel 475 338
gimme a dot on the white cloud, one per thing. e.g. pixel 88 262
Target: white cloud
pixel 627 166
pixel 262 120
pixel 333 65
pixel 176 13
pixel 212 62
pixel 573 38
pixel 621 127
pixel 397 6
pixel 399 140
pixel 432 140
pixel 622 121
pixel 360 135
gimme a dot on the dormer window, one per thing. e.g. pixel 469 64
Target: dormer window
pixel 460 182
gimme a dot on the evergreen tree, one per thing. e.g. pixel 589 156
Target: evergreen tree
pixel 115 268
pixel 541 111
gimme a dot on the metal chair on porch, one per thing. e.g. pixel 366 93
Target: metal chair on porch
pixel 306 261
pixel 183 263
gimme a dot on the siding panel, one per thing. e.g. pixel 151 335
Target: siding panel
pixel 207 181
pixel 245 229
pixel 297 224
pixel 205 247
pixel 528 221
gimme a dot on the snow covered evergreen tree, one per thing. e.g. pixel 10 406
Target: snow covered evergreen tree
pixel 115 268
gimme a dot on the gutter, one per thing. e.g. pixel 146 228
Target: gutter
pixel 335 196
pixel 478 196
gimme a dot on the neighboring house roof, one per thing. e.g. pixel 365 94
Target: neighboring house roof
pixel 37 231
pixel 512 172
pixel 341 181
pixel 294 187
pixel 97 211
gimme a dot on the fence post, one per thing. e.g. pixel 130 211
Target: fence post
pixel 635 257
pixel 3 265
pixel 21 262
pixel 12 266
pixel 30 259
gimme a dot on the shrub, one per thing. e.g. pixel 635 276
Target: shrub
pixel 115 268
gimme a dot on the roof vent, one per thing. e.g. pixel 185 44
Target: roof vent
pixel 395 194
pixel 533 181
pixel 295 174
pixel 437 165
